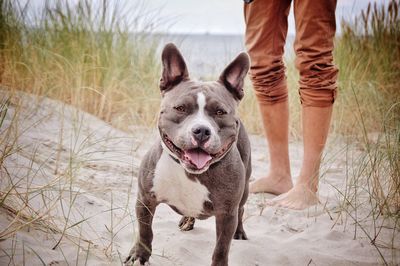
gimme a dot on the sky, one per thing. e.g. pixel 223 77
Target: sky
pixel 226 16
pixel 203 16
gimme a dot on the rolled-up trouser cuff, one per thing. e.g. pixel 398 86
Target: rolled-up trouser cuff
pixel 271 96
pixel 270 84
pixel 268 92
pixel 317 84
pixel 317 98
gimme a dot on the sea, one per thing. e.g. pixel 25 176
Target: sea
pixel 206 55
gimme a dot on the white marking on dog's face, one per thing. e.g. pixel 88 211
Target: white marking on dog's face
pixel 201 102
pixel 171 185
pixel 201 119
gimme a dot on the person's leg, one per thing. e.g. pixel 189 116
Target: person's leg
pixel 316 121
pixel 266 28
pixel 278 180
pixel 315 27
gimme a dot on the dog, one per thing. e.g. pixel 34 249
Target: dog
pixel 201 164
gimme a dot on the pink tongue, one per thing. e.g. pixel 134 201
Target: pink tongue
pixel 198 157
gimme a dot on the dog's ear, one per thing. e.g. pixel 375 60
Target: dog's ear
pixel 233 75
pixel 174 68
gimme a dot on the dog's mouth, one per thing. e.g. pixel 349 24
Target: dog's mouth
pixel 196 158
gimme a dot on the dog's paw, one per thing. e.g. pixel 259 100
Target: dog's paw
pixel 137 258
pixel 133 260
pixel 136 263
pixel 240 235
pixel 186 223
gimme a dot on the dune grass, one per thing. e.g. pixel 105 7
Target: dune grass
pixel 92 60
pixel 368 114
pixel 89 58
pixel 41 191
pixel 82 56
pixel 368 55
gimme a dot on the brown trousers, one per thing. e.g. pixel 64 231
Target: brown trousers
pixel 266 29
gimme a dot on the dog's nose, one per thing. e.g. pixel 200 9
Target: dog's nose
pixel 201 133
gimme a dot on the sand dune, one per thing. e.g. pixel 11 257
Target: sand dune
pixel 73 178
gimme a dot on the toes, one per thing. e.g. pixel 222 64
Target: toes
pixel 130 260
pixel 271 203
pixel 288 206
pixel 288 203
pixel 241 235
pixel 274 202
pixel 186 223
pixel 143 261
pixel 138 254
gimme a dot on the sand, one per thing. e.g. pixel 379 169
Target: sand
pixel 76 180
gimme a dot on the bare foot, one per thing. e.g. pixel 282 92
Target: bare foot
pixel 273 184
pixel 299 197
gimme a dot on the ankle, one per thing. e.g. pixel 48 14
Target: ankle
pixel 279 175
pixel 308 184
pixel 309 179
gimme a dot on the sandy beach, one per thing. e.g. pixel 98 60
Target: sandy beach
pixel 70 186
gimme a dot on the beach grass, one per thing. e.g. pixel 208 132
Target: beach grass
pixel 368 114
pixel 83 56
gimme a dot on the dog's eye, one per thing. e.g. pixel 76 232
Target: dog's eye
pixel 220 112
pixel 180 108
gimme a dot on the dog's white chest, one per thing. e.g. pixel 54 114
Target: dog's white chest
pixel 172 186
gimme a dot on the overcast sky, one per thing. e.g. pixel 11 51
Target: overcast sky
pixel 226 16
pixel 204 16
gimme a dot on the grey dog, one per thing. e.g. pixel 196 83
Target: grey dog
pixel 201 164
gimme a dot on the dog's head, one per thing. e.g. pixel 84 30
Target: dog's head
pixel 198 122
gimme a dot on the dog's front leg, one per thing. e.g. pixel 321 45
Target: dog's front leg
pixel 144 213
pixel 226 226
